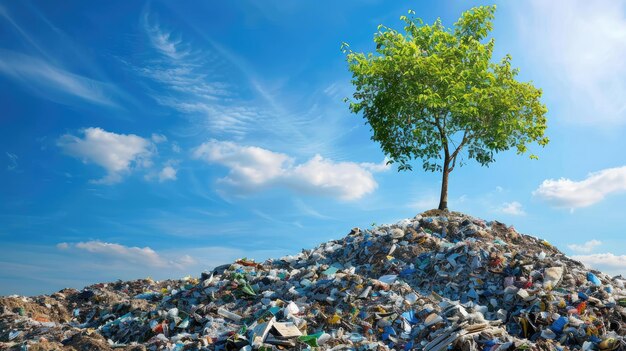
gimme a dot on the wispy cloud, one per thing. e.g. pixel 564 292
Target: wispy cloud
pixel 223 97
pixel 118 154
pixel 254 168
pixel 38 67
pixel 587 247
pixel 582 46
pixel 307 127
pixel 567 193
pixel 42 78
pixel 270 218
pixel 338 91
pixel 193 83
pixel 166 43
pixel 12 163
pixel 4 13
pixel 308 210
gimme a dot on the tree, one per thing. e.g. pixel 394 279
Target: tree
pixel 433 92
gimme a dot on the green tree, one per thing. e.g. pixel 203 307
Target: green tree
pixel 431 92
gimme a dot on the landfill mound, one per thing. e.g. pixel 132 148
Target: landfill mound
pixel 439 281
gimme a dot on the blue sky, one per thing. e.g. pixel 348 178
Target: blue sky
pixel 160 139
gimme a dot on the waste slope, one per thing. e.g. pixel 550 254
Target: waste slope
pixel 439 281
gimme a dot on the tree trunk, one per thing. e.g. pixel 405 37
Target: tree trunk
pixel 443 200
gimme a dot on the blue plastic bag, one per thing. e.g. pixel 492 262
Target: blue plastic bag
pixel 558 325
pixel 592 278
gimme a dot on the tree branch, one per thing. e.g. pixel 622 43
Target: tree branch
pixel 453 164
pixel 466 138
pixel 442 134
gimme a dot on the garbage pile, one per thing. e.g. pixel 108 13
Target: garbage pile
pixel 439 281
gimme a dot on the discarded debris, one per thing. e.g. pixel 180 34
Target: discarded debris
pixel 439 281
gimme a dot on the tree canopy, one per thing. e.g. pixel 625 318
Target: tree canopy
pixel 431 92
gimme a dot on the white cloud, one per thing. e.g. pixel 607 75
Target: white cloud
pixel 604 262
pixel 38 74
pixel 582 45
pixel 512 208
pixel 63 246
pixel 566 193
pixel 377 167
pixel 144 255
pixel 347 180
pixel 250 166
pixel 158 138
pixel 134 255
pixel 167 173
pixel 586 247
pixel 253 168
pixel 116 153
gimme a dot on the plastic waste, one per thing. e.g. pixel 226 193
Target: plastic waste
pixel 225 313
pixel 311 339
pixel 388 279
pixel 592 278
pixel 428 283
